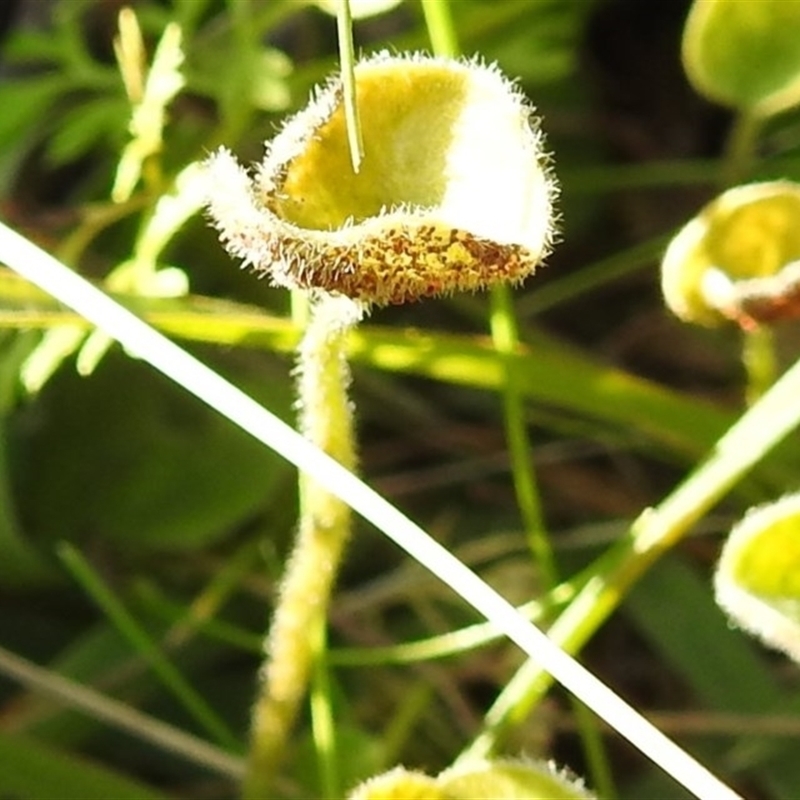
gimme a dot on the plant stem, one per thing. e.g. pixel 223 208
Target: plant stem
pixel 441 31
pixel 505 338
pixel 323 724
pixel 324 527
pixel 758 356
pixel 758 348
pixel 506 341
pixel 118 715
pixel 740 148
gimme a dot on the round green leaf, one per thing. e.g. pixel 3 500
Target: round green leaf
pixel 745 53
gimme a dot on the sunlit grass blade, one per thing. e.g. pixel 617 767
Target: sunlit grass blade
pixel 344 29
pixel 548 372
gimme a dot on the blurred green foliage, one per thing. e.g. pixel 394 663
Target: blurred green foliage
pixel 186 521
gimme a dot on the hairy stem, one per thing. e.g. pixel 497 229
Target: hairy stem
pixel 326 419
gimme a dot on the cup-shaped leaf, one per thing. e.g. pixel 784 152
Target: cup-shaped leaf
pixel 453 192
pixel 758 577
pixel 510 780
pixel 398 784
pixel 478 780
pixel 745 53
pixel 738 258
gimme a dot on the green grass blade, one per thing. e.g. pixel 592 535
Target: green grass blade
pixel 549 373
pixel 118 715
pixel 31 769
pixel 169 675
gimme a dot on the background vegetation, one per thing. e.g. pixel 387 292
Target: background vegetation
pixel 141 536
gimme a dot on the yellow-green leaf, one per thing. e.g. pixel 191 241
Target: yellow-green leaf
pixel 758 577
pixel 508 780
pixel 737 258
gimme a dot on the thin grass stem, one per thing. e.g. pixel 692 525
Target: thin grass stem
pixel 119 715
pixel 124 622
pixel 440 27
pixel 323 724
pixel 344 29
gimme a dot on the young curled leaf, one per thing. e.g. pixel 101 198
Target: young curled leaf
pixel 453 193
pixel 738 258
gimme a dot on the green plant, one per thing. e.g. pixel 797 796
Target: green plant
pixel 162 505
